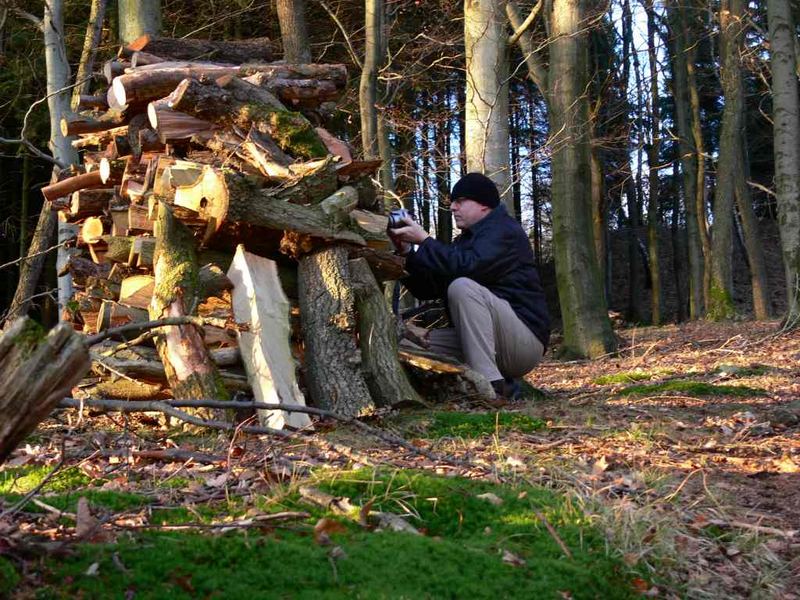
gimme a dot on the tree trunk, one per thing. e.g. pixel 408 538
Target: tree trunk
pixel 587 330
pixel 137 18
pixel 190 370
pixel 486 120
pixel 786 110
pixel 36 372
pixel 377 332
pixel 91 41
pixel 653 151
pixel 368 88
pixel 221 51
pixel 332 360
pixel 678 50
pixel 294 33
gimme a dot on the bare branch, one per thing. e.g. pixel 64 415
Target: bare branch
pixel 526 24
pixel 353 55
pixel 34 255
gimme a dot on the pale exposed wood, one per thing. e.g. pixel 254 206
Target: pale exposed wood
pixel 113 314
pixel 138 222
pixel 112 171
pixel 99 139
pixel 142 252
pixel 92 230
pixel 89 102
pixel 259 302
pixel 140 59
pixel 335 146
pixel 443 378
pixel 146 84
pixel 119 221
pixel 79 124
pixel 35 374
pixel 137 291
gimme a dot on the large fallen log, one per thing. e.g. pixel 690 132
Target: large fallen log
pixel 67 186
pixel 377 334
pixel 332 359
pixel 235 51
pixel 36 372
pixel 190 371
pixel 259 302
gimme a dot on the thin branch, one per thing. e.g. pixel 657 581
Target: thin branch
pixel 353 55
pixel 107 333
pixel 30 17
pixel 26 498
pixel 526 24
pixel 34 255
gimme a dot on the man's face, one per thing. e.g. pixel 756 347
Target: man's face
pixel 467 212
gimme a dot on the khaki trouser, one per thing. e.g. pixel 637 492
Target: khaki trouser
pixel 487 333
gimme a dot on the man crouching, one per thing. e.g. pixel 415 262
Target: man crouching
pixel 488 280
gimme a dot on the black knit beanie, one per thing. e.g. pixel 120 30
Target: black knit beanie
pixel 477 187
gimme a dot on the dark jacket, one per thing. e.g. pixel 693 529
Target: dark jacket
pixel 496 253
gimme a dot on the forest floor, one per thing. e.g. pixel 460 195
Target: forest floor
pixel 671 469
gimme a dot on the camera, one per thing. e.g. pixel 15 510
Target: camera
pixel 396 218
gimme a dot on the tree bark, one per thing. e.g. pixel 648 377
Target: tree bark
pixel 91 41
pixel 332 360
pixel 653 152
pixel 137 18
pixel 487 93
pixel 226 51
pixel 367 91
pixel 786 110
pixel 294 33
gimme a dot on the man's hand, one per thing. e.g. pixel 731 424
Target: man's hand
pixel 412 233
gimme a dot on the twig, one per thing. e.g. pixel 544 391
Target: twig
pixel 553 533
pixel 27 497
pixel 107 333
pixel 257 521
pixel 35 254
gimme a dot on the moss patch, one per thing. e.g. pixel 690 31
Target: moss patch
pixel 475 425
pixel 460 556
pixel 21 480
pixel 691 388
pixel 631 376
pixel 290 130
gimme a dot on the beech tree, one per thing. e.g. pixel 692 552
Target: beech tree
pixel 138 17
pixel 294 32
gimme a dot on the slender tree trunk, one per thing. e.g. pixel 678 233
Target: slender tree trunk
pixel 24 201
pixel 688 158
pixel 516 188
pixel 367 93
pixel 720 300
pixel 587 331
pixel 138 17
pixel 677 246
pixel 653 151
pixel 91 41
pixel 294 33
pixel 786 109
pixel 442 132
pixel 487 93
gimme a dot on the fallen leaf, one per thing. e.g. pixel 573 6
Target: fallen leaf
pixel 600 465
pixel 337 553
pixel 86 525
pixel 218 481
pixel 640 585
pixel 325 528
pixel 363 514
pixel 787 465
pixel 512 559
pixel 93 570
pixel 491 498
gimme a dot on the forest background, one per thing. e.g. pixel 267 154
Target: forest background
pixel 633 140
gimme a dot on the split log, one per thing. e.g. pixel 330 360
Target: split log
pixel 335 146
pixel 443 378
pixel 119 221
pixel 118 248
pixel 138 222
pixel 190 371
pixel 142 252
pixel 259 302
pixel 253 153
pixel 100 139
pixel 372 228
pixel 377 334
pixel 114 314
pixel 92 230
pixel 89 203
pixel 114 68
pixel 66 187
pixel 36 372
pixel 208 101
pixel 146 84
pixel 235 51
pixel 81 269
pixel 332 360
pixel 137 291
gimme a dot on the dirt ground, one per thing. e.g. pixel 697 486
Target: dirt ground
pixel 695 478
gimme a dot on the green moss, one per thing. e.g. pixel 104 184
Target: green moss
pixel 290 130
pixel 631 376
pixel 21 480
pixel 459 557
pixel 9 578
pixel 737 371
pixel 720 304
pixel 29 337
pixel 475 425
pixel 692 388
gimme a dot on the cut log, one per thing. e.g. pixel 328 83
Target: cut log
pixel 112 171
pixel 443 378
pixel 118 248
pixel 137 291
pixel 114 68
pixel 88 102
pixel 81 268
pixel 66 187
pixel 142 252
pixel 332 360
pixel 190 371
pixel 101 139
pixel 253 153
pixel 212 281
pixel 146 84
pixel 245 91
pixel 36 372
pixel 79 124
pixel 92 230
pixel 377 334
pixel 259 302
pixel 114 314
pixel 141 59
pixel 372 228
pixel 138 222
pixel 235 51
pixel 208 101
pixel 90 203
pixel 119 221
pixel 386 266
pixel 336 73
pixel 171 125
pixel 306 93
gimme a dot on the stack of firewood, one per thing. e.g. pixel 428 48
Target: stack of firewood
pixel 212 189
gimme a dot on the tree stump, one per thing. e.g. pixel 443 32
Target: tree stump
pixel 377 332
pixel 36 372
pixel 332 359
